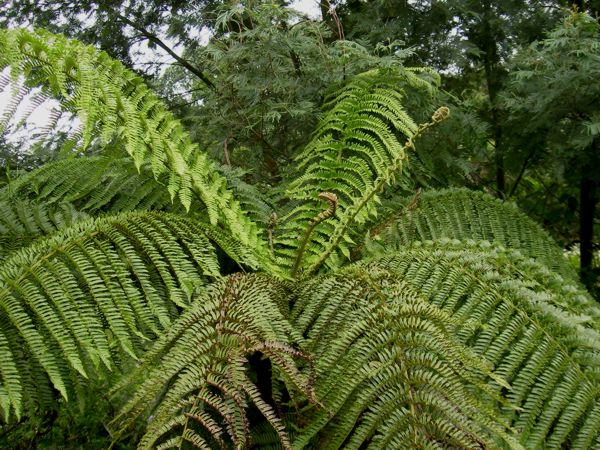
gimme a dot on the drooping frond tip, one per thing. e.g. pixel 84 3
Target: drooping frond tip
pixel 114 104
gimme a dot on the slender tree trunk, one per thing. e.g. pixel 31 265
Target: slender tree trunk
pixel 492 78
pixel 499 160
pixel 324 7
pixel 587 207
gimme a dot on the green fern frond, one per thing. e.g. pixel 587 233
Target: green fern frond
pixel 94 293
pixel 389 371
pixel 357 149
pixel 198 369
pixel 21 222
pixel 105 184
pixel 464 214
pixel 95 185
pixel 543 339
pixel 257 205
pixel 112 102
pixel 412 382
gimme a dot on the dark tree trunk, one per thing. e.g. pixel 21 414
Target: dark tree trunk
pixel 491 62
pixel 587 207
pixel 499 159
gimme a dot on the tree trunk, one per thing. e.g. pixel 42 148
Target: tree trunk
pixel 587 207
pixel 499 159
pixel 491 60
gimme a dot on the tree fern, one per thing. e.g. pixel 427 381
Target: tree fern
pixel 397 346
pixel 127 274
pixel 439 341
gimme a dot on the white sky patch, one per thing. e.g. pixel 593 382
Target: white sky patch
pixel 308 7
pixel 34 116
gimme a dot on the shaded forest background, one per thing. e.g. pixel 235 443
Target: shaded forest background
pixel 248 78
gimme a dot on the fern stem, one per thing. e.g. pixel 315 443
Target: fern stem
pixel 329 212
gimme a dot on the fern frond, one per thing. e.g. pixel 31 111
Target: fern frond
pixel 21 222
pixel 542 338
pixel 198 369
pixel 113 103
pixel 95 293
pixel 389 371
pixel 256 204
pixel 357 149
pixel 95 185
pixel 464 214
pixel 105 184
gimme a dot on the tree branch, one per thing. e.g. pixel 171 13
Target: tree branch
pixel 154 38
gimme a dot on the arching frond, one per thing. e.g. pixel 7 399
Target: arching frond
pixel 359 147
pixel 389 371
pixel 106 184
pixel 94 292
pixel 21 222
pixel 464 214
pixel 198 371
pixel 95 185
pixel 113 103
pixel 543 338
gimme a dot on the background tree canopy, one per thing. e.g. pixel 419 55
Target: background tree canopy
pixel 375 229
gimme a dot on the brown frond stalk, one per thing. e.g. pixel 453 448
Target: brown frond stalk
pixel 330 198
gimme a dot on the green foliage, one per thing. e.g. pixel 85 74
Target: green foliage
pixel 21 222
pixel 100 184
pixel 551 85
pixel 440 340
pixel 463 214
pixel 102 23
pixel 552 94
pixel 355 152
pixel 412 383
pixel 539 340
pixel 270 68
pixel 94 184
pixel 113 103
pixel 197 370
pixel 127 274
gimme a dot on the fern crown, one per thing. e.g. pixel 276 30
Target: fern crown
pixel 316 317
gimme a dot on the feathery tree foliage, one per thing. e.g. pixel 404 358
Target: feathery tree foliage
pixel 555 83
pixel 334 315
